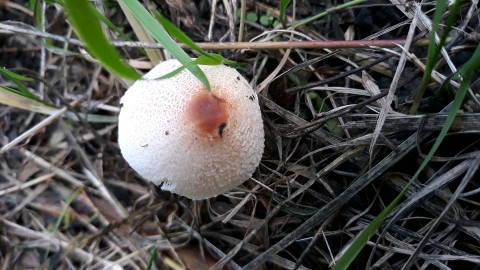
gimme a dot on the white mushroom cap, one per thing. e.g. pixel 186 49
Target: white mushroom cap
pixel 199 144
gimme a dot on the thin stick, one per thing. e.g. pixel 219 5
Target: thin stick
pixel 315 44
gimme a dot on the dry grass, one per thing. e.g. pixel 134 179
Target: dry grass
pixel 69 201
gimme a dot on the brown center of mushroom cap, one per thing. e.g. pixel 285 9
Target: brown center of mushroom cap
pixel 208 113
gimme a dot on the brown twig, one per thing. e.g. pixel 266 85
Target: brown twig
pixel 274 45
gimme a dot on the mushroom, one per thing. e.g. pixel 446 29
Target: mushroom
pixel 199 144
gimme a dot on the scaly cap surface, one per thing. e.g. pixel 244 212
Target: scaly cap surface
pixel 199 144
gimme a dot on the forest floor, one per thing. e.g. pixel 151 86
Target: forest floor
pixel 341 142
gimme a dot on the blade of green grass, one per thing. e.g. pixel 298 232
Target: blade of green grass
pixel 68 201
pixel 36 7
pixel 112 26
pixel 17 79
pixel 152 258
pixel 180 36
pixel 283 6
pixel 160 34
pixel 175 32
pixel 83 19
pixel 209 60
pixel 15 76
pixel 154 55
pixel 471 66
pixel 434 49
pixel 466 72
pixel 201 60
pixel 64 215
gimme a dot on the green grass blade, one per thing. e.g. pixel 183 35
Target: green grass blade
pixel 108 23
pixel 175 32
pixel 283 6
pixel 152 258
pixel 14 76
pixel 161 35
pixel 362 239
pixel 211 59
pixel 201 60
pixel 178 34
pixel 17 79
pixel 472 65
pixel 82 16
pixel 36 7
pixel 172 73
pixel 466 72
pixel 154 55
pixel 434 50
